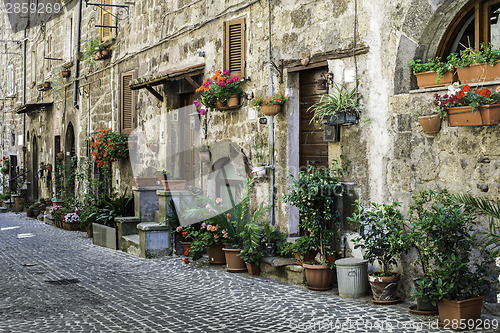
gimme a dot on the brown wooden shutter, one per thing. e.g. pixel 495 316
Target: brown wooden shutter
pixel 106 20
pixel 234 47
pixel 127 103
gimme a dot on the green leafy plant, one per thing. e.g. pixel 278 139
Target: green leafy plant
pixel 278 98
pixel 90 47
pixel 252 234
pixel 382 235
pixel 433 64
pixel 219 87
pixel 486 54
pixel 341 100
pixel 313 193
pixel 113 206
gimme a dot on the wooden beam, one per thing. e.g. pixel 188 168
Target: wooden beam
pixel 294 65
pixel 155 93
pixel 192 82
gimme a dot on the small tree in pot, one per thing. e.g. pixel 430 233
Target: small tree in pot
pixel 313 193
pixel 383 239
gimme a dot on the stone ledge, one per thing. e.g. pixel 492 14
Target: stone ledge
pixel 172 193
pixel 292 274
pixel 152 226
pixel 128 219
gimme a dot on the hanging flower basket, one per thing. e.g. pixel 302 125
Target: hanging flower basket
pixel 430 124
pixel 271 110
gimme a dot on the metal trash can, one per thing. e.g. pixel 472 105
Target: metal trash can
pixel 352 277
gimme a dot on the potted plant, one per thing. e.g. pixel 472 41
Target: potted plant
pixel 175 184
pixel 272 239
pixel 338 108
pixel 204 151
pixel 217 90
pixel 441 231
pixel 270 106
pixel 382 238
pixel 48 167
pixel 433 73
pixel 88 216
pixel 5 170
pixel 65 73
pixel 467 107
pixel 92 50
pixel 58 202
pixel 60 155
pixel 108 146
pixel 477 65
pixel 313 193
pixel 71 220
pixel 162 175
pixel 186 236
pixel 430 121
pixel 251 249
pixel 30 211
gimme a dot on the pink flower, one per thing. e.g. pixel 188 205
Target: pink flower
pixel 229 81
pixel 228 215
pixel 235 79
pixel 178 229
pixel 196 103
pixel 218 200
pixel 226 73
pixel 221 85
pixel 216 236
pixel 203 112
pixel 203 225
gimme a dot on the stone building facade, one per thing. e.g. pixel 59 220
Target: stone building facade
pixel 176 44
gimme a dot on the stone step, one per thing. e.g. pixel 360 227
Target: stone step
pixel 294 274
pixel 3 210
pixel 131 244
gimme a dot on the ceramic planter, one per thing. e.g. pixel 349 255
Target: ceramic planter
pixel 479 73
pixel 384 288
pixel 145 181
pixel 430 124
pixel 234 263
pixel 259 172
pixel 216 255
pixel 271 110
pixel 461 311
pixel 319 277
pixel 252 268
pixel 466 116
pixel 205 156
pixel 233 101
pixel 342 118
pixel 174 185
pixel 429 79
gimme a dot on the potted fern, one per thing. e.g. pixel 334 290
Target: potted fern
pixel 338 108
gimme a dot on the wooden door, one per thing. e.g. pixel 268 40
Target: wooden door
pixel 187 138
pixel 313 149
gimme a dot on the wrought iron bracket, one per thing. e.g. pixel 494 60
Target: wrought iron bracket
pixel 279 68
pixel 103 7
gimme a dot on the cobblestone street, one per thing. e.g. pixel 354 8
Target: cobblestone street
pixel 57 281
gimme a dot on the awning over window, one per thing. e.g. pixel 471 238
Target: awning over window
pixel 176 73
pixel 30 107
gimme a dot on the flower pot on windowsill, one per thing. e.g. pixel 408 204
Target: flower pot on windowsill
pixel 479 73
pixel 429 79
pixel 430 124
pixel 271 110
pixel 466 116
pixel 174 185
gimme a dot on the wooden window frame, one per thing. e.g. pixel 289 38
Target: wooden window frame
pixel 481 30
pixel 227 46
pixel 122 90
pixel 106 33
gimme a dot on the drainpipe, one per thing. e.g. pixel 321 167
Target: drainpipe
pixel 77 61
pixel 271 120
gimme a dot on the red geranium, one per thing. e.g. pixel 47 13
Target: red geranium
pixel 186 260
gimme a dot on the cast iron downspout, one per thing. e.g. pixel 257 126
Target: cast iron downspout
pixel 271 118
pixel 77 61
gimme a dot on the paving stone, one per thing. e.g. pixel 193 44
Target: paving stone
pixel 57 281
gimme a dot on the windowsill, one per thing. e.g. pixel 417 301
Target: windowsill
pixel 443 88
pixel 11 96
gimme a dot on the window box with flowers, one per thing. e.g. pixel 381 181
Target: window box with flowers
pixel 221 92
pixel 467 107
pixel 433 73
pixel 477 66
pixel 270 106
pixel 71 220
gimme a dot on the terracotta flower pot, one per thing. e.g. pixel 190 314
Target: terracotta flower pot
pixel 36 212
pixel 216 255
pixel 233 101
pixel 48 168
pixel 429 79
pixel 90 232
pixel 384 288
pixel 234 263
pixel 430 124
pixel 271 110
pixel 479 73
pixel 252 268
pixel 461 311
pixel 70 226
pixel 220 105
pixel 319 277
pixel 466 116
pixel 66 73
pixel 145 181
pixel 173 185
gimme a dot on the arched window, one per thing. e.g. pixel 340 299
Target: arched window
pixel 475 24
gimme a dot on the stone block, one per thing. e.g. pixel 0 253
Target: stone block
pixel 154 240
pixel 104 236
pixel 293 274
pixel 145 202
